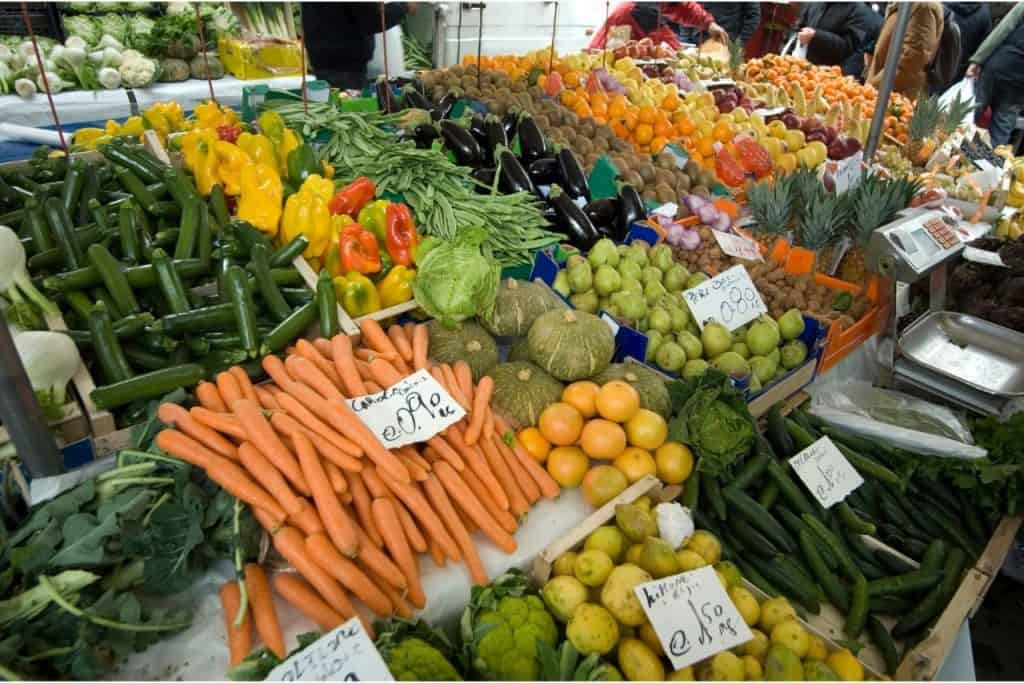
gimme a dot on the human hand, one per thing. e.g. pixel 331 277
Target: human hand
pixel 718 33
pixel 974 70
pixel 806 35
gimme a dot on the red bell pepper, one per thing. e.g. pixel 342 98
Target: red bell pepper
pixel 358 250
pixel 349 199
pixel 401 237
pixel 229 133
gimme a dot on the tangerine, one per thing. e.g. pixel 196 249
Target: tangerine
pixel 644 133
pixel 560 423
pixel 567 465
pixel 535 444
pixel 602 483
pixel 636 463
pixel 723 131
pixel 617 401
pixel 603 439
pixel 647 114
pixel 582 396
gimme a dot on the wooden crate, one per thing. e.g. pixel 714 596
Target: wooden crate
pixel 70 427
pixel 99 421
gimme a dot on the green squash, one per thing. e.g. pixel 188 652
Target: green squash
pixel 468 341
pixel 522 391
pixel 652 387
pixel 570 344
pixel 520 350
pixel 519 303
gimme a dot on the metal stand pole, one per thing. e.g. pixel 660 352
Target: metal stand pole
pixel 22 415
pixel 888 78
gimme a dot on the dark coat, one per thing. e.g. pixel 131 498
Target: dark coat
pixel 339 35
pixel 872 25
pixel 739 19
pixel 838 31
pixel 975 22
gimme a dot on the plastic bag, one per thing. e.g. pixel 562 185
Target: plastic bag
pixel 965 91
pixel 675 525
pixel 905 421
pixel 795 48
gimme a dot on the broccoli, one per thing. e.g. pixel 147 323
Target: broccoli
pixel 502 627
pixel 414 651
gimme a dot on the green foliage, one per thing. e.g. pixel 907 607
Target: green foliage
pixel 414 651
pixel 258 665
pixel 711 416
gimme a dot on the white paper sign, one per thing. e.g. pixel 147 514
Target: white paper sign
pixel 344 654
pixel 769 111
pixel 729 298
pixel 826 472
pixel 849 171
pixel 692 615
pixel 989 258
pixel 668 210
pixel 737 246
pixel 414 410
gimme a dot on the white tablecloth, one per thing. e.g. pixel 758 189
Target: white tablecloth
pixel 80 105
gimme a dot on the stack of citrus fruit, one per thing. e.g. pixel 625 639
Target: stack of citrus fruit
pixel 599 437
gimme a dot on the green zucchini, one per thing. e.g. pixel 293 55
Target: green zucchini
pixel 113 279
pixel 289 329
pixel 148 385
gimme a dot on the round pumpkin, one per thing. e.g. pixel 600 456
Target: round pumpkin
pixel 651 387
pixel 571 344
pixel 522 391
pixel 518 304
pixel 468 341
pixel 520 350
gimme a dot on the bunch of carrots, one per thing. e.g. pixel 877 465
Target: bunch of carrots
pixel 348 514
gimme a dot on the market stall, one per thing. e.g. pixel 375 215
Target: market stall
pixel 538 367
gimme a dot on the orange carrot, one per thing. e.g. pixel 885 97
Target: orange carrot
pixel 481 399
pixel 264 472
pixel 309 374
pixel 348 574
pixel 420 346
pixel 228 387
pixel 526 484
pixel 262 435
pixel 372 387
pixel 173 414
pixel 308 519
pixel 347 422
pixel 464 376
pixel 225 423
pixel 412 532
pixel 344 363
pixel 503 517
pixel 289 427
pixel 292 546
pixel 363 368
pixel 415 471
pixel 379 563
pixel 376 487
pixel 412 498
pixel 516 500
pixel 345 497
pixel 411 453
pixel 461 494
pixel 401 342
pixel 209 397
pixel 334 475
pixel 470 525
pixel 273 389
pixel 238 636
pixel 436 554
pixel 366 355
pixel 398 546
pixel 314 424
pixel 308 351
pixel 263 613
pixel 361 503
pixel 323 345
pixel 298 593
pixel 489 423
pixel 400 605
pixel 439 500
pixel 548 486
pixel 438 373
pixel 244 383
pixel 274 367
pixel 266 399
pixel 375 337
pixel 337 522
pixel 445 450
pixel 384 373
pixel 453 387
pixel 477 462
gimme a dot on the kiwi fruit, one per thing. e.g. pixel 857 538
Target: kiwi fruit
pixel 646 172
pixel 664 193
pixel 633 178
pixel 664 176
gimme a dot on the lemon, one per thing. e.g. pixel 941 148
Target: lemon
pixel 775 610
pixel 706 545
pixel 684 674
pixel 752 670
pixel 746 604
pixel 844 663
pixel 564 564
pixel 647 634
pixel 608 539
pixel 816 648
pixel 731 572
pixel 725 666
pixel 688 559
pixel 756 647
pixel 790 633
pixel 593 567
pixel 633 553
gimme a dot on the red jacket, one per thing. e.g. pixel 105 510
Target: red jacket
pixel 685 13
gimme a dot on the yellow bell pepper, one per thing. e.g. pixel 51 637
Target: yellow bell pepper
pixel 357 294
pixel 258 147
pixel 332 257
pixel 133 126
pixel 259 202
pixel 284 139
pixel 320 186
pixel 396 287
pixel 112 127
pixel 174 114
pixel 197 147
pixel 231 160
pixel 85 138
pixel 154 119
pixel 305 213
pixel 210 115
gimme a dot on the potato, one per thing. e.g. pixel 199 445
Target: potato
pixel 638 662
pixel 592 629
pixel 618 596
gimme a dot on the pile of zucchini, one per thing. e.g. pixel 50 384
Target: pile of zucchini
pixel 159 287
pixel 787 544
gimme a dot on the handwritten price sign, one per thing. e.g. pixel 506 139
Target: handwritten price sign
pixel 737 246
pixel 729 298
pixel 826 472
pixel 692 615
pixel 409 412
pixel 344 654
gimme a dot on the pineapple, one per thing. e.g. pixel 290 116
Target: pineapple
pixel 921 130
pixel 771 205
pixel 823 217
pixel 957 111
pixel 875 202
pixel 735 57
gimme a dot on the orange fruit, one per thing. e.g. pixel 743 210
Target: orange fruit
pixel 602 483
pixel 582 109
pixel 685 126
pixel 670 102
pixel 644 133
pixel 646 429
pixel 618 401
pixel 617 107
pixel 674 462
pixel 600 108
pixel 567 465
pixel 603 439
pixel 569 99
pixel 620 130
pixel 706 147
pixel 723 131
pixel 662 129
pixel 582 396
pixel 636 463
pixel 560 424
pixel 535 444
pixel 630 119
pixel 658 143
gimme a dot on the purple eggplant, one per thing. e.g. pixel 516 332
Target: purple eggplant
pixel 512 177
pixel 572 222
pixel 545 172
pixel 631 209
pixel 461 143
pixel 532 144
pixel 603 213
pixel 573 175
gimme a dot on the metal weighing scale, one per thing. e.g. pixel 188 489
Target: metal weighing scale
pixel 965 360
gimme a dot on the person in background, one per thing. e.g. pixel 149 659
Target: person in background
pixel 857 62
pixel 975 22
pixel 655 20
pixel 739 19
pixel 778 19
pixel 921 43
pixel 998 66
pixel 339 37
pixel 831 31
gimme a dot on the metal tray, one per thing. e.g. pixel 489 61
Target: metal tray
pixel 980 354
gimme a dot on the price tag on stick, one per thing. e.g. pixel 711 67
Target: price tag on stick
pixel 414 410
pixel 729 298
pixel 692 615
pixel 826 472
pixel 737 246
pixel 344 654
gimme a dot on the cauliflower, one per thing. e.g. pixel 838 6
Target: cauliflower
pixel 109 78
pixel 137 73
pixel 502 627
pixel 414 651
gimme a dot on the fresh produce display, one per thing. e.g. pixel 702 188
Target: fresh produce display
pixel 987 291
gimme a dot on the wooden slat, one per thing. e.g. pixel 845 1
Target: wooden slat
pixel 992 559
pixel 100 421
pixel 309 276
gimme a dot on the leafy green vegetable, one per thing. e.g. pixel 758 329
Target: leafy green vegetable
pixel 258 665
pixel 458 280
pixel 414 651
pixel 712 417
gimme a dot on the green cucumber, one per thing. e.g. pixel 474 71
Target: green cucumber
pixel 148 385
pixel 834 544
pixel 937 598
pixel 884 644
pixel 829 582
pixel 904 584
pixel 759 517
pixel 752 539
pixel 858 614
